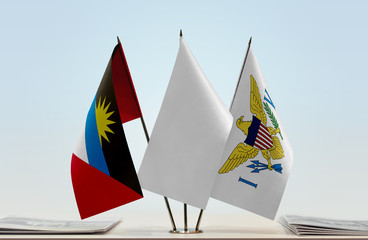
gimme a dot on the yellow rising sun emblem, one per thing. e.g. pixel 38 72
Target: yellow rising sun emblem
pixel 102 119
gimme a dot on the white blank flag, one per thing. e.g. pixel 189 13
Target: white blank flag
pixel 188 138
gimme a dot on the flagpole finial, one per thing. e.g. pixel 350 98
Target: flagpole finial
pixel 118 40
pixel 250 41
pixel 181 33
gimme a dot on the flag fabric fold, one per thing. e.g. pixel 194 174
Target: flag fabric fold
pixel 257 157
pixel 102 170
pixel 188 137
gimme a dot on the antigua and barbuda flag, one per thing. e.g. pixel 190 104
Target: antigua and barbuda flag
pixel 257 158
pixel 102 169
pixel 188 137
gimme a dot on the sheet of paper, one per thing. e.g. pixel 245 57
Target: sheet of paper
pixel 301 225
pixel 36 225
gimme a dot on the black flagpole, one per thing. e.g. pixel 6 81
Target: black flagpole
pixel 241 71
pixel 199 220
pixel 237 85
pixel 165 198
pixel 185 218
pixel 147 138
pixel 185 205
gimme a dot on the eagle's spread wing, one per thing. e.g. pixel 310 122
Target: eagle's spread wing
pixel 256 101
pixel 239 155
pixel 276 151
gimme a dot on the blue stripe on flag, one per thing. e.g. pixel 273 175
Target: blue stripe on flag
pixel 95 154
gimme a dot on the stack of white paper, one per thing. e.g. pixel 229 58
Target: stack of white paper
pixel 43 226
pixel 322 226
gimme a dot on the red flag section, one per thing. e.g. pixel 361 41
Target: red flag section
pixel 96 192
pixel 126 97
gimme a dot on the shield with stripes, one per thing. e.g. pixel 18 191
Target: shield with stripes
pixel 258 135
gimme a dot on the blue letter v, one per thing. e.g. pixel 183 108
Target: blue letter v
pixel 269 100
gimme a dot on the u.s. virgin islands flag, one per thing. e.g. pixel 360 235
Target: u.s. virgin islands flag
pixel 257 157
pixel 102 169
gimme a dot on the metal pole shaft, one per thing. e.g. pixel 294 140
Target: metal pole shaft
pixel 185 218
pixel 165 198
pixel 170 214
pixel 241 72
pixel 145 129
pixel 147 138
pixel 199 220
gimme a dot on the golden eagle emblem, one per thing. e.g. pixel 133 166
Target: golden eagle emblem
pixel 259 137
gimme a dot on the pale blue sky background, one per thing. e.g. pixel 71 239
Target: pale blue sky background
pixel 313 55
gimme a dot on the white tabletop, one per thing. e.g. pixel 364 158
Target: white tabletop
pixel 214 226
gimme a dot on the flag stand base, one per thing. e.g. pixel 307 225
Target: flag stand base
pixel 186 230
pixel 182 231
